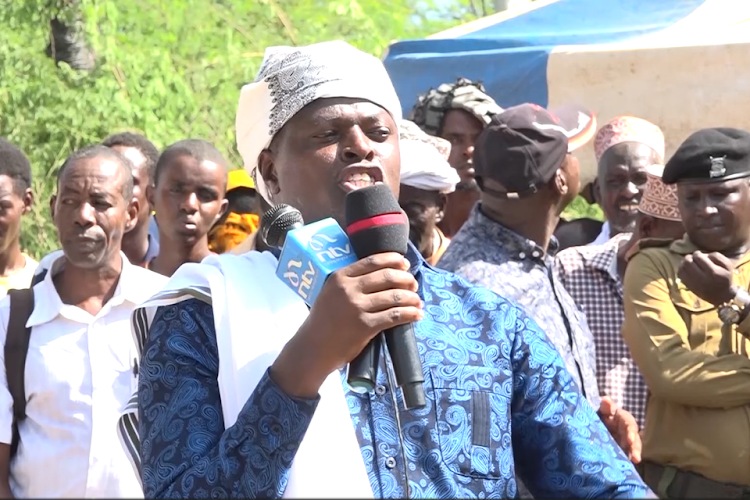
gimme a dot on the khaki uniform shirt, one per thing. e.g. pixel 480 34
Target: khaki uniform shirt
pixel 696 368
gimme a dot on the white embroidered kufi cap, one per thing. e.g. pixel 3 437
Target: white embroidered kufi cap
pixel 290 78
pixel 424 160
pixel 659 200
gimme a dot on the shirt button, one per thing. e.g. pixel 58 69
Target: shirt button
pixel 276 429
pixel 521 255
pixel 390 462
pixel 380 390
pixel 535 254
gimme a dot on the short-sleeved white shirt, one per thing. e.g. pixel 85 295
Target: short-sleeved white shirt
pixel 79 376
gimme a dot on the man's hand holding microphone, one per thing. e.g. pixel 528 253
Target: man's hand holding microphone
pixel 355 304
pixel 357 286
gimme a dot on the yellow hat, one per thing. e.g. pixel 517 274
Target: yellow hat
pixel 239 178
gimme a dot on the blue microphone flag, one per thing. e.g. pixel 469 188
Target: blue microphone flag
pixel 310 254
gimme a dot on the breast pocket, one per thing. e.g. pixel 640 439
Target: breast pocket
pixel 472 420
pixel 701 318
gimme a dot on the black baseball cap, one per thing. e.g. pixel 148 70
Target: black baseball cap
pixel 523 146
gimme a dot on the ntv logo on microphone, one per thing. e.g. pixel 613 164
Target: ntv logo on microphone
pixel 330 246
pixel 310 254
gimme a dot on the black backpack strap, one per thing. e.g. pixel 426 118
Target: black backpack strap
pixel 39 277
pixel 16 349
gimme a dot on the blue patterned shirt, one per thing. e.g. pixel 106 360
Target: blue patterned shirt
pixel 490 255
pixel 499 401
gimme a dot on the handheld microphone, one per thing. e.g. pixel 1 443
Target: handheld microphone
pixel 375 224
pixel 277 222
pixel 309 254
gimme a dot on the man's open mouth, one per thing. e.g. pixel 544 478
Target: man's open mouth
pixel 359 181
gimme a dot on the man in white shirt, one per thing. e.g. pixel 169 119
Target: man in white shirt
pixel 80 369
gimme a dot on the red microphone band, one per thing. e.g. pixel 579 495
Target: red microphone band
pixel 378 220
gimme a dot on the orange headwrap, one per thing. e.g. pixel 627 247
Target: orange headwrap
pixel 234 230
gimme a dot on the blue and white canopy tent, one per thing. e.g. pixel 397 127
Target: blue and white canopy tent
pixel 682 64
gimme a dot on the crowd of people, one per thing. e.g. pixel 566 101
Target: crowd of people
pixel 156 353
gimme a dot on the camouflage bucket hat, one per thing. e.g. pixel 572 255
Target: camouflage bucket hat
pixel 469 96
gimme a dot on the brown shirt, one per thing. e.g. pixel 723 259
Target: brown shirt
pixel 696 368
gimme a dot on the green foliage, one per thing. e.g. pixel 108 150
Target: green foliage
pixel 170 69
pixel 466 9
pixel 580 208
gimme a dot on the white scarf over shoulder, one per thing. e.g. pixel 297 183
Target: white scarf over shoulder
pixel 255 315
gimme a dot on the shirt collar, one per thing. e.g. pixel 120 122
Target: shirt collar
pixel 48 305
pixel 516 245
pixel 603 236
pixel 415 259
pixel 605 257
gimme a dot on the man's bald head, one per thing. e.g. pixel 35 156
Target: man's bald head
pixel 104 152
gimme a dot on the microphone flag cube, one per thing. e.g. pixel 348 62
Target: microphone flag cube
pixel 310 254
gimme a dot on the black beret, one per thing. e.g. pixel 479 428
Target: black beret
pixel 710 155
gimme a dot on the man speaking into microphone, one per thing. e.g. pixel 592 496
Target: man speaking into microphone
pixel 240 388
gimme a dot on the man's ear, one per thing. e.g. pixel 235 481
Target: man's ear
pixel 267 169
pixel 596 193
pixel 150 193
pixel 52 203
pixel 132 214
pixel 222 210
pixel 28 200
pixel 442 203
pixel 560 182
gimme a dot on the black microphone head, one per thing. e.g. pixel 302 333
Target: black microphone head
pixel 277 222
pixel 375 222
pixel 368 202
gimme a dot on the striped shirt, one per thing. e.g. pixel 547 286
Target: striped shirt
pixel 127 427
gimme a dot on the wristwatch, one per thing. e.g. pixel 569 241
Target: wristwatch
pixel 733 312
